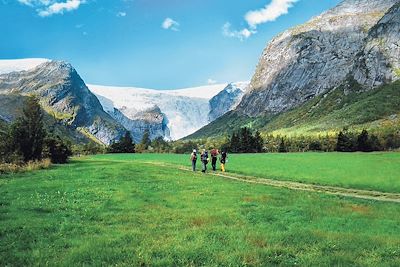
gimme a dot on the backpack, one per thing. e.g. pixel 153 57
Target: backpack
pixel 194 156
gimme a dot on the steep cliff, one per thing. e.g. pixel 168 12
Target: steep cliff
pixel 226 100
pixel 311 59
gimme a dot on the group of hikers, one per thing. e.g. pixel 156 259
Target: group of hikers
pixel 204 158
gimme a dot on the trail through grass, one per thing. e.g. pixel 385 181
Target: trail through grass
pixel 369 171
pixel 127 213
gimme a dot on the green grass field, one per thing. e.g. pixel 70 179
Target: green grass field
pixel 373 171
pixel 118 210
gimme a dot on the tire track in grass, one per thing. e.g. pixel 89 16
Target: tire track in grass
pixel 331 190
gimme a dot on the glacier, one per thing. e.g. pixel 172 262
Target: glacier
pixel 186 110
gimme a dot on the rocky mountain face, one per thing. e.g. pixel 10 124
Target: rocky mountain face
pixel 358 38
pixel 137 122
pixel 379 61
pixel 104 113
pixel 65 97
pixel 226 100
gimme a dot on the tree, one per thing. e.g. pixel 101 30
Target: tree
pixel 234 144
pixel 146 141
pixel 258 142
pixel 124 145
pixel 363 142
pixel 344 142
pixel 282 146
pixel 315 146
pixel 375 143
pixel 246 141
pixel 127 144
pixel 28 133
pixel 57 150
pixel 160 145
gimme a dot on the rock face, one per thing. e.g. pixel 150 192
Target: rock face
pixel 313 58
pixel 64 95
pixel 226 100
pixel 379 62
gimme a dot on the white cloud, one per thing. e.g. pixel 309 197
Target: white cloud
pixel 170 24
pixel 121 14
pixel 242 34
pixel 270 12
pixel 46 8
pixel 211 81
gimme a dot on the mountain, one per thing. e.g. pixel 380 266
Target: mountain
pixel 63 95
pixel 226 100
pixel 313 58
pixel 343 61
pixel 171 114
pixel 104 113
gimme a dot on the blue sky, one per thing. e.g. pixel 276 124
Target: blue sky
pixel 159 44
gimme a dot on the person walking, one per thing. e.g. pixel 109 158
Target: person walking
pixel 223 160
pixel 193 158
pixel 214 157
pixel 204 160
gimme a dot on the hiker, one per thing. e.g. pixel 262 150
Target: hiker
pixel 204 160
pixel 223 160
pixel 214 156
pixel 193 158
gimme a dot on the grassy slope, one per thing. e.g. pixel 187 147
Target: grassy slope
pixel 373 171
pixel 332 112
pixel 94 212
pixel 353 109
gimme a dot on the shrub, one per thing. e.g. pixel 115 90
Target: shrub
pixel 57 150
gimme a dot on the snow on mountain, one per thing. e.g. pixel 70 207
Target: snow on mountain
pixel 186 109
pixel 227 99
pixel 11 65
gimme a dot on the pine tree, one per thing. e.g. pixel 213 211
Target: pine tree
pixel 28 132
pixel 245 142
pixel 344 142
pixel 363 143
pixel 124 145
pixel 234 144
pixel 258 142
pixel 146 142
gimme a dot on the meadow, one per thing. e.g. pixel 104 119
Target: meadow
pixel 122 210
pixel 370 171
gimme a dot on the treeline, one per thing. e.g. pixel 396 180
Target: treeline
pixel 26 139
pixel 245 141
pixel 146 145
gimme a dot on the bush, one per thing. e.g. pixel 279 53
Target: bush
pixel 315 146
pixel 57 150
pixel 29 166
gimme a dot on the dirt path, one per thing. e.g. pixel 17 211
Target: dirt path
pixel 332 190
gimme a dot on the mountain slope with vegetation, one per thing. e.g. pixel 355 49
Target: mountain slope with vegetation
pixel 341 71
pixel 64 96
pixel 348 106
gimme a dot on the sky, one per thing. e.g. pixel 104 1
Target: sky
pixel 160 44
